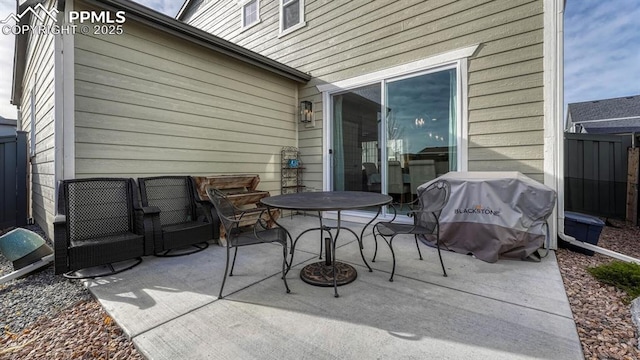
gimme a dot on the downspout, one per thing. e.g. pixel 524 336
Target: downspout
pixel 58 107
pixel 64 98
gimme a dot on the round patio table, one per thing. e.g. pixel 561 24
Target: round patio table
pixel 329 272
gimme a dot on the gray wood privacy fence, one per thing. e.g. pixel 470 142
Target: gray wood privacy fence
pixel 596 174
pixel 13 180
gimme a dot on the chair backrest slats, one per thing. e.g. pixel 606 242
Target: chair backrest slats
pixel 396 184
pixel 224 208
pixel 420 172
pixel 98 207
pixel 172 195
pixel 432 200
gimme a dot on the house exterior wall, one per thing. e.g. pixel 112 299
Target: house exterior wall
pixel 148 103
pixel 345 39
pixel 37 118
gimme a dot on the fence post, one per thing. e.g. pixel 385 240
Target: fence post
pixel 632 186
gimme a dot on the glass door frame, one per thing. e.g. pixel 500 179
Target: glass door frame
pixel 456 59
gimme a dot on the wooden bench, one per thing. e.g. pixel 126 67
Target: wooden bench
pixel 241 191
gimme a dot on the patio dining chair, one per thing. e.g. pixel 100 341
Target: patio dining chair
pixel 420 172
pixel 100 228
pixel 396 181
pixel 430 202
pixel 231 219
pixel 184 226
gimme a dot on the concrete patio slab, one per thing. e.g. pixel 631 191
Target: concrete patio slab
pixel 506 310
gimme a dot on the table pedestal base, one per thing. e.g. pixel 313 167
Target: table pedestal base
pixel 321 274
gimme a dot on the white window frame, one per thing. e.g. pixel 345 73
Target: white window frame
pixel 299 25
pixel 243 7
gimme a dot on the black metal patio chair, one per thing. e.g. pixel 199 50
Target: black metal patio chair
pixel 430 203
pixel 237 235
pixel 100 224
pixel 184 227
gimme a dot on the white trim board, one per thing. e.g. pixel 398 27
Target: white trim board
pixel 415 66
pixel 553 162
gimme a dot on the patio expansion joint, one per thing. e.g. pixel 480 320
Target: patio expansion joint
pixel 359 265
pixel 485 297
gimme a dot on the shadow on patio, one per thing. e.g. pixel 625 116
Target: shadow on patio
pixel 505 310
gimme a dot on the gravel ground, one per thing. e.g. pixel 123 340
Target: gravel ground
pixel 61 320
pixel 45 316
pixel 603 320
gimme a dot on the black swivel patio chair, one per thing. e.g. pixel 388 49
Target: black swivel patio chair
pixel 184 226
pixel 430 203
pixel 100 224
pixel 237 235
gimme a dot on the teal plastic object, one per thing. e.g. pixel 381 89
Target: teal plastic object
pixel 20 242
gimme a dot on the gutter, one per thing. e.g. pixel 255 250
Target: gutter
pixel 175 27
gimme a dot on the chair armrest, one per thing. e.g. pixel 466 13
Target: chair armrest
pixel 261 211
pixel 150 210
pixel 262 222
pixel 202 202
pixel 395 212
pixel 203 210
pixel 148 224
pixel 60 245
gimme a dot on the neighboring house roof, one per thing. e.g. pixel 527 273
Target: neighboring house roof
pixel 608 116
pixel 9 122
pixel 168 25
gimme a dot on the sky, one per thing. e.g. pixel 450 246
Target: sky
pixel 602 49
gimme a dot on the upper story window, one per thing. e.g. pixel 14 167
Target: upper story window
pixel 250 13
pixel 291 15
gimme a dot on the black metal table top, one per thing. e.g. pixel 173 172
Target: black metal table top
pixel 327 200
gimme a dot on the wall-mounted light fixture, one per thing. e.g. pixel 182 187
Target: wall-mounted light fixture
pixel 306 111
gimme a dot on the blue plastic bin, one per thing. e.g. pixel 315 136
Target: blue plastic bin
pixel 583 227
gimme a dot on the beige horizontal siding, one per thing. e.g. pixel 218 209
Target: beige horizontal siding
pixel 527 167
pixel 509 85
pixel 346 39
pixel 504 126
pixel 533 67
pixel 513 139
pixel 513 111
pixel 150 104
pixel 523 152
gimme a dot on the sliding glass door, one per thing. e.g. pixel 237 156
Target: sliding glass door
pixel 356 154
pixel 421 131
pixel 414 116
